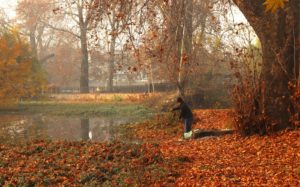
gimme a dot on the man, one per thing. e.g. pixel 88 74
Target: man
pixel 187 116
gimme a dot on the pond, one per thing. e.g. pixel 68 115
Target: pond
pixel 21 128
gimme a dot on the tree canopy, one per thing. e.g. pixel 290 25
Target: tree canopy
pixel 20 75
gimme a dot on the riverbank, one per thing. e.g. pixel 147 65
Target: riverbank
pixel 78 109
pixel 162 158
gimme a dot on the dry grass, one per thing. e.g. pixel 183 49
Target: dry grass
pixel 102 97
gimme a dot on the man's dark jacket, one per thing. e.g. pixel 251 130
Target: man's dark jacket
pixel 185 111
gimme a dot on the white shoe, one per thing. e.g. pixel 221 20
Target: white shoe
pixel 188 135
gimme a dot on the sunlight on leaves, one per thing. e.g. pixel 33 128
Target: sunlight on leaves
pixel 273 5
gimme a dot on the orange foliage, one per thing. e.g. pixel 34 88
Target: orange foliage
pixel 273 5
pixel 17 78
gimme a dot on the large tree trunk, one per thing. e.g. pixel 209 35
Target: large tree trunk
pixel 84 68
pixel 280 56
pixel 187 42
pixel 84 74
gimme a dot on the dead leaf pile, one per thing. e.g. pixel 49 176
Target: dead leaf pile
pixel 162 160
pixel 44 163
pixel 229 160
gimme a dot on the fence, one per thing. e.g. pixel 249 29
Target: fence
pixel 158 87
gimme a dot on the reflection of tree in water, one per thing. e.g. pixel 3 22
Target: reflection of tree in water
pixel 110 129
pixel 22 128
pixel 102 129
pixel 19 128
pixel 85 128
pixel 37 127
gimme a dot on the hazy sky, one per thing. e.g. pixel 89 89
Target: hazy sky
pixel 9 7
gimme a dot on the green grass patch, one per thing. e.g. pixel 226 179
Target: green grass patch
pixel 78 109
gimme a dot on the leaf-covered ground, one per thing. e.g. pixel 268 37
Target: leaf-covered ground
pixel 44 163
pixel 229 160
pixel 162 160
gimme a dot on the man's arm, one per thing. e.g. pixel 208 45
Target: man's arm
pixel 176 108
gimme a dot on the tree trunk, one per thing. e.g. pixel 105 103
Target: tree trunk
pixel 84 68
pixel 185 46
pixel 33 44
pixel 187 42
pixel 111 66
pixel 179 39
pixel 181 72
pixel 280 56
pixel 151 78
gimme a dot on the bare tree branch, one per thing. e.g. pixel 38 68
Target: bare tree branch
pixel 44 59
pixel 61 30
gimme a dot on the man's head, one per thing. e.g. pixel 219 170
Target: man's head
pixel 179 100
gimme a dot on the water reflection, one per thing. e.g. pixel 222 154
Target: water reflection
pixel 85 129
pixel 21 128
